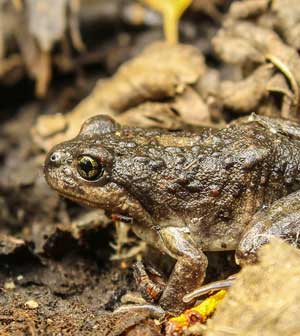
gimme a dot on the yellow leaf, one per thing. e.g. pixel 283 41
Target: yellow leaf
pixel 171 11
pixel 199 313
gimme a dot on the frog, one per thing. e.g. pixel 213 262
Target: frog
pixel 187 192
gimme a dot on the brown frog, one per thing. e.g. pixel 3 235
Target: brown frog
pixel 227 189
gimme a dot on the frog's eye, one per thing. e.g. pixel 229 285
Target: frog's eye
pixel 88 168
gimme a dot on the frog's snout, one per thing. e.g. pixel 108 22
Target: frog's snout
pixel 55 161
pixel 52 163
pixel 58 171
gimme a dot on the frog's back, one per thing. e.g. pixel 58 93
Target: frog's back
pixel 248 166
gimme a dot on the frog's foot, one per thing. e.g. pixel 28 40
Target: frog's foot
pixel 188 272
pixel 281 219
pixel 151 311
pixel 150 283
pixel 209 288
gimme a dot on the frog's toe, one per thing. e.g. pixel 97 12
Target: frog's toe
pixel 152 311
pixel 150 283
pixel 209 288
pixel 245 257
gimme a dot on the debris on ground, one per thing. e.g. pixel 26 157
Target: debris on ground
pixel 198 314
pixel 137 93
pixel 264 299
pixel 69 270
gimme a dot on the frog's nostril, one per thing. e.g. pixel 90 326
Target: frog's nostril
pixel 55 158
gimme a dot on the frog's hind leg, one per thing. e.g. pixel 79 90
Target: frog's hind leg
pixel 189 270
pixel 281 219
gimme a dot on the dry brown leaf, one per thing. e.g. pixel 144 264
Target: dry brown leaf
pixel 244 9
pixel 245 95
pixel 247 44
pixel 146 328
pixel 35 26
pixel 151 114
pixel 160 73
pixel 188 108
pixel 116 323
pixel 47 21
pixel 287 13
pixel 192 108
pixel 265 299
pixel 208 7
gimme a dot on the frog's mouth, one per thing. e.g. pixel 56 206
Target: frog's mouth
pixel 69 191
pixel 70 196
pixel 80 200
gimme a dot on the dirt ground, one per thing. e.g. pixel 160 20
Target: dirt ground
pixel 64 268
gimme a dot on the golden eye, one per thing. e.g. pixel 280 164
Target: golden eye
pixel 88 168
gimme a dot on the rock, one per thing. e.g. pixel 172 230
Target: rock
pixel 31 304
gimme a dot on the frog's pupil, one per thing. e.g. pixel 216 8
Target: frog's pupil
pixel 86 166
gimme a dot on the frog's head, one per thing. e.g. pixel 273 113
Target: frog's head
pixel 80 169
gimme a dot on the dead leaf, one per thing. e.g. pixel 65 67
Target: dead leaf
pixel 245 95
pixel 264 300
pixel 247 44
pixel 160 73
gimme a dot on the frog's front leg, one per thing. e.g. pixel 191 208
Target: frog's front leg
pixel 281 219
pixel 189 270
